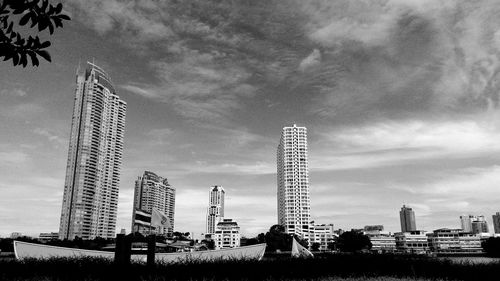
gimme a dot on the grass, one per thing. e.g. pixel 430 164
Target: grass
pixel 325 268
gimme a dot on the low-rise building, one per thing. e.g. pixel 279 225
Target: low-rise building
pixel 227 234
pixel 446 240
pixel 412 242
pixel 322 234
pixel 382 241
pixel 47 236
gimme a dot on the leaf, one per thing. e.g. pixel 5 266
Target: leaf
pixel 45 3
pixel 15 59
pixel 23 60
pixel 42 24
pixel 57 21
pixel 44 45
pixel 64 17
pixel 59 8
pixel 51 27
pixel 44 54
pixel 24 20
pixel 34 59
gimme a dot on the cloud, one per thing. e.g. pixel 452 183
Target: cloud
pixel 313 59
pixel 53 138
pixel 13 157
pixel 17 92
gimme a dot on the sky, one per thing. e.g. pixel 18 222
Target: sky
pixel 400 99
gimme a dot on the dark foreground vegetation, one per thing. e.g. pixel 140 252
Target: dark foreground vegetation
pixel 327 267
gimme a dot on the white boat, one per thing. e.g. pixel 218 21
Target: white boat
pixel 24 250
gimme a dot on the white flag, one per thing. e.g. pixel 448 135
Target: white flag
pixel 299 251
pixel 159 219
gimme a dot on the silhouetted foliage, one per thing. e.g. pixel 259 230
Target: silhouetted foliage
pixel 209 243
pixel 277 239
pixel 315 246
pixel 492 246
pixel 41 14
pixel 353 241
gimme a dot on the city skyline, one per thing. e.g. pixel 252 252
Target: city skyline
pixel 400 99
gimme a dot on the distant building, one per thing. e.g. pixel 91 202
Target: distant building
pixel 454 241
pixel 227 234
pixel 466 222
pixel 382 242
pixel 215 211
pixel 496 222
pixel 15 235
pixel 152 191
pixel 479 225
pixel 48 236
pixel 90 198
pixel 412 242
pixel 407 218
pixel 322 234
pixel 294 203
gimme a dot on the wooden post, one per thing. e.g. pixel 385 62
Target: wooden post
pixel 122 249
pixel 151 250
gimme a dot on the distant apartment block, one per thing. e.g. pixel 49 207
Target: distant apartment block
pixel 90 197
pixel 294 205
pixel 496 222
pixel 407 219
pixel 322 234
pixel 48 236
pixel 454 241
pixel 227 234
pixel 152 191
pixel 215 211
pixel 480 225
pixel 412 242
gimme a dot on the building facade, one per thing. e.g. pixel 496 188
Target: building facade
pixel 227 234
pixel 90 197
pixel 48 236
pixel 322 234
pixel 496 222
pixel 454 241
pixel 466 222
pixel 215 211
pixel 294 206
pixel 480 225
pixel 152 191
pixel 416 242
pixel 407 219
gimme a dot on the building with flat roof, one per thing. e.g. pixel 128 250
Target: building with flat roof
pixel 294 203
pixel 496 222
pixel 48 236
pixel 152 192
pixel 407 219
pixel 322 234
pixel 227 234
pixel 446 240
pixel 412 242
pixel 90 198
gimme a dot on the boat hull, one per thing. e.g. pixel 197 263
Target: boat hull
pixel 24 250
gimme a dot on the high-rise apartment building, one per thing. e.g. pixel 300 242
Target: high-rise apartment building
pixel 466 222
pixel 152 191
pixel 90 196
pixel 215 212
pixel 407 218
pixel 496 222
pixel 479 225
pixel 294 204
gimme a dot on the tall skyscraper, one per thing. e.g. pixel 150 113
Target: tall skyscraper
pixel 90 196
pixel 466 222
pixel 294 204
pixel 479 225
pixel 496 222
pixel 152 191
pixel 215 212
pixel 407 218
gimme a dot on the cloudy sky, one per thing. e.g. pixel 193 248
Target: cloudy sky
pixel 400 98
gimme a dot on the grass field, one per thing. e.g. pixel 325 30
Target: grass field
pixel 325 268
